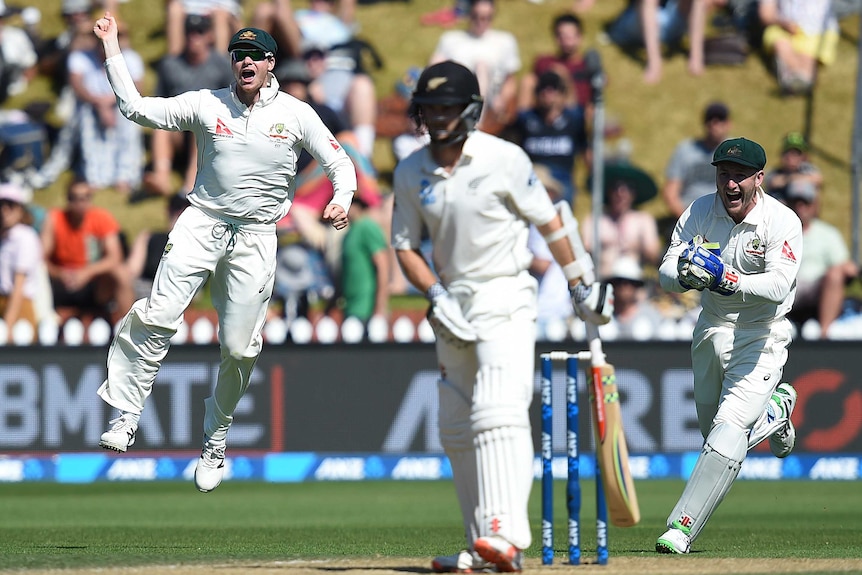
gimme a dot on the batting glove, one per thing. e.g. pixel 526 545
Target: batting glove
pixel 594 303
pixel 446 318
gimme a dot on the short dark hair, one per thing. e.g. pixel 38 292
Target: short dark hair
pixel 567 18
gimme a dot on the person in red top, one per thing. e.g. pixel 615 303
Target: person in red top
pixel 84 256
pixel 567 61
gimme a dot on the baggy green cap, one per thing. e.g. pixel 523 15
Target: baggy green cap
pixel 740 151
pixel 253 37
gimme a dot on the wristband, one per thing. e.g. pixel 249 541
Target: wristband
pixel 435 291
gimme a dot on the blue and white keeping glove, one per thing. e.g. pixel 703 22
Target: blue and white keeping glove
pixel 594 303
pixel 446 318
pixel 688 277
pixel 707 268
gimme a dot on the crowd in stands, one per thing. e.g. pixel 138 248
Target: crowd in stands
pixel 76 261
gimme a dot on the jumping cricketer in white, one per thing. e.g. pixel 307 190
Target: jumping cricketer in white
pixel 742 249
pixel 476 195
pixel 248 138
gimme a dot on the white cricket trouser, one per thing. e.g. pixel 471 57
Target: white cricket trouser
pixel 736 370
pixel 485 393
pixel 239 261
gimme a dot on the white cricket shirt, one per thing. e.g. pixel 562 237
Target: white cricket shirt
pixel 765 248
pixel 478 216
pixel 246 156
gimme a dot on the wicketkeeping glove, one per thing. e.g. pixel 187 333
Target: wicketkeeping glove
pixel 691 278
pixel 446 318
pixel 718 276
pixel 594 303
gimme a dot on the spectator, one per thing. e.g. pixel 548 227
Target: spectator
pixel 54 53
pixel 624 231
pixel 365 265
pixel 490 54
pixel 21 263
pixel 826 266
pixel 553 298
pixel 635 317
pixel 689 173
pixel 148 248
pixel 17 56
pixel 651 23
pixel 552 133
pixel 199 66
pixel 226 16
pixel 799 34
pixel 447 16
pixel 109 148
pixel 793 165
pixel 84 255
pixel 567 61
pixel 322 25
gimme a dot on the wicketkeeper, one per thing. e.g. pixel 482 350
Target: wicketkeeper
pixel 741 248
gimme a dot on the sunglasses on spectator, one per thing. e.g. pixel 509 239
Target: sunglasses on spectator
pixel 72 198
pixel 256 55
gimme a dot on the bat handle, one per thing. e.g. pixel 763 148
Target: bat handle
pixel 597 356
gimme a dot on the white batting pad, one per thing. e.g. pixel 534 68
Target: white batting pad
pixel 466 479
pixel 768 423
pixel 505 477
pixel 713 475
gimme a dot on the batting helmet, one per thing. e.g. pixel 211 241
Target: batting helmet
pixel 447 84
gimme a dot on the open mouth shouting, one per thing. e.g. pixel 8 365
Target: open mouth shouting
pixel 734 197
pixel 248 74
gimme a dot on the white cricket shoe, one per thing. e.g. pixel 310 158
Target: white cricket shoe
pixel 121 436
pixel 505 556
pixel 210 468
pixel 675 540
pixel 781 442
pixel 462 562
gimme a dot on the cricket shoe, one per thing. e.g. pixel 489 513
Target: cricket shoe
pixel 210 468
pixel 675 540
pixel 462 562
pixel 781 442
pixel 121 436
pixel 505 556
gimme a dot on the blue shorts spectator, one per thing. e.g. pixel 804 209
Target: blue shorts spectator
pixel 626 29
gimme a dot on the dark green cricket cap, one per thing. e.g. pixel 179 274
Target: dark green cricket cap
pixel 254 37
pixel 740 151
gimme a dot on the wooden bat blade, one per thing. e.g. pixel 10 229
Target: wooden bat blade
pixel 612 452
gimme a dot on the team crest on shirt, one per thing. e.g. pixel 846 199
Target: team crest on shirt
pixel 278 132
pixel 426 193
pixel 474 184
pixel 755 247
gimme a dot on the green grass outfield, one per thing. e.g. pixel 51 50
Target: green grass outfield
pixel 47 525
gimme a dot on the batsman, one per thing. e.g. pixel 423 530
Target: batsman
pixel 741 248
pixel 476 195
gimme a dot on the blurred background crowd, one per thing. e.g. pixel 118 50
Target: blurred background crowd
pixel 87 197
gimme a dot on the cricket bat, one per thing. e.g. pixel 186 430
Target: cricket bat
pixel 612 454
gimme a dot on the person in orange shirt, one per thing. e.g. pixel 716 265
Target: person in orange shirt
pixel 84 256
